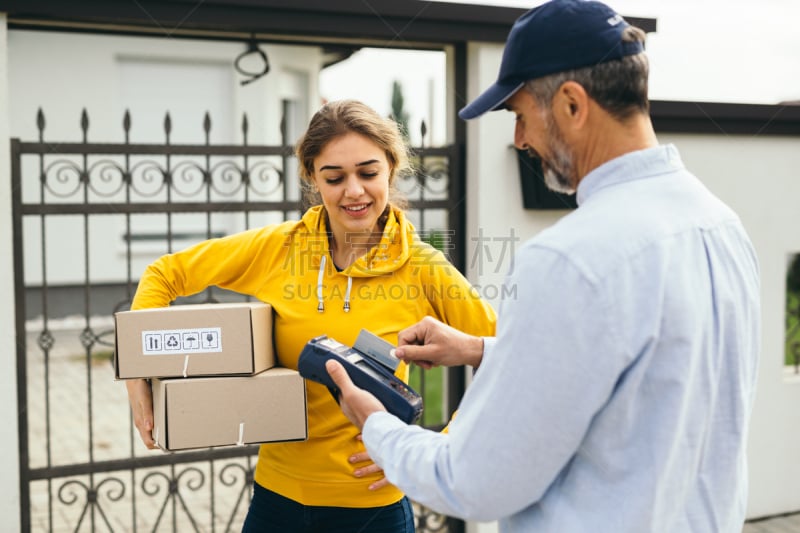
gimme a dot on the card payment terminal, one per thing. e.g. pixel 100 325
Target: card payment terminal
pixel 370 364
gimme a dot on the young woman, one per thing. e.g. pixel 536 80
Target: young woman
pixel 353 261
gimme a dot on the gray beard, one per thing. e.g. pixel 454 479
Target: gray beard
pixel 556 181
pixel 559 171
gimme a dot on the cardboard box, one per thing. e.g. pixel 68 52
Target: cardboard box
pixel 194 340
pixel 219 411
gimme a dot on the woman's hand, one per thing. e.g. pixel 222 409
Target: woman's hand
pixel 140 396
pixel 367 469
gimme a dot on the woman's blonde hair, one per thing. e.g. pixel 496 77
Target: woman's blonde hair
pixel 338 118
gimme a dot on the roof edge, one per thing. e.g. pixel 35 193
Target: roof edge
pixel 725 118
pixel 392 21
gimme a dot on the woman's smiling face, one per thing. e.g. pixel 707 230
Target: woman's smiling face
pixel 352 176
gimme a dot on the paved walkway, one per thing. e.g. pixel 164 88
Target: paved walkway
pixel 782 524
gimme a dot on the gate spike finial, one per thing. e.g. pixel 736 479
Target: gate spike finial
pixel 84 121
pixel 126 122
pixel 207 123
pixel 40 122
pixel 167 125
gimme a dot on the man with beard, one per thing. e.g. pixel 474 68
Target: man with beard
pixel 616 396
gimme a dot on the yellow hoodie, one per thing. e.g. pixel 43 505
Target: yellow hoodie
pixel 289 265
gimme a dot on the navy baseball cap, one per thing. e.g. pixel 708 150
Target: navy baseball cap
pixel 556 36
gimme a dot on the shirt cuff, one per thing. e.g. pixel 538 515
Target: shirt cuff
pixel 377 426
pixel 488 345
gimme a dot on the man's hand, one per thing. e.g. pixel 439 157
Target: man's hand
pixel 357 404
pixel 140 396
pixel 430 343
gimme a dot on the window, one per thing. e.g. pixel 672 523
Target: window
pixel 792 339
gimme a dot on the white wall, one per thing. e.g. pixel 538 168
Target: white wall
pixel 494 193
pixel 9 458
pixel 83 69
pixel 63 73
pixel 756 176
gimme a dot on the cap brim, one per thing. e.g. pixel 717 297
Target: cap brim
pixel 492 99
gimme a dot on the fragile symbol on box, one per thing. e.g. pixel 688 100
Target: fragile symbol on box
pixel 181 341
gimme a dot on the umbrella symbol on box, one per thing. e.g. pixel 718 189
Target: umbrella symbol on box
pixel 191 341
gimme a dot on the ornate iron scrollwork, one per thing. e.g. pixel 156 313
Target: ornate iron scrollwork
pixel 68 494
pixel 195 479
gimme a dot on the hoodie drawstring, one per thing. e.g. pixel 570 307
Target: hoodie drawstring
pixel 320 276
pixel 347 295
pixel 321 304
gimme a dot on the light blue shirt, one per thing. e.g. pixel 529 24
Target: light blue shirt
pixel 617 393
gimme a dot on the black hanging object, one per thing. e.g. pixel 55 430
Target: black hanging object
pixel 252 48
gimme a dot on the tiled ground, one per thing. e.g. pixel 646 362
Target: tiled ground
pixel 783 524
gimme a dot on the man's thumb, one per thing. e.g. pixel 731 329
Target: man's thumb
pixel 338 374
pixel 414 353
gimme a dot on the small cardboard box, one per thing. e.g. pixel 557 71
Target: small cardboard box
pixel 219 411
pixel 194 340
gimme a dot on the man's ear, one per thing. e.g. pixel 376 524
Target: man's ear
pixel 571 105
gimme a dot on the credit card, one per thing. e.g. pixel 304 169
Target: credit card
pixel 377 349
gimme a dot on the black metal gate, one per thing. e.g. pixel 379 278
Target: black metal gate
pixel 87 218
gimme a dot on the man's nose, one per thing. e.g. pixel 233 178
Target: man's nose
pixel 519 137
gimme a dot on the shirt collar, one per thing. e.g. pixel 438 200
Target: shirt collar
pixel 628 167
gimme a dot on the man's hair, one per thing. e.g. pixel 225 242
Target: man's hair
pixel 618 86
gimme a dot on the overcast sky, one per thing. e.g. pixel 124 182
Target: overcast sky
pixel 737 51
